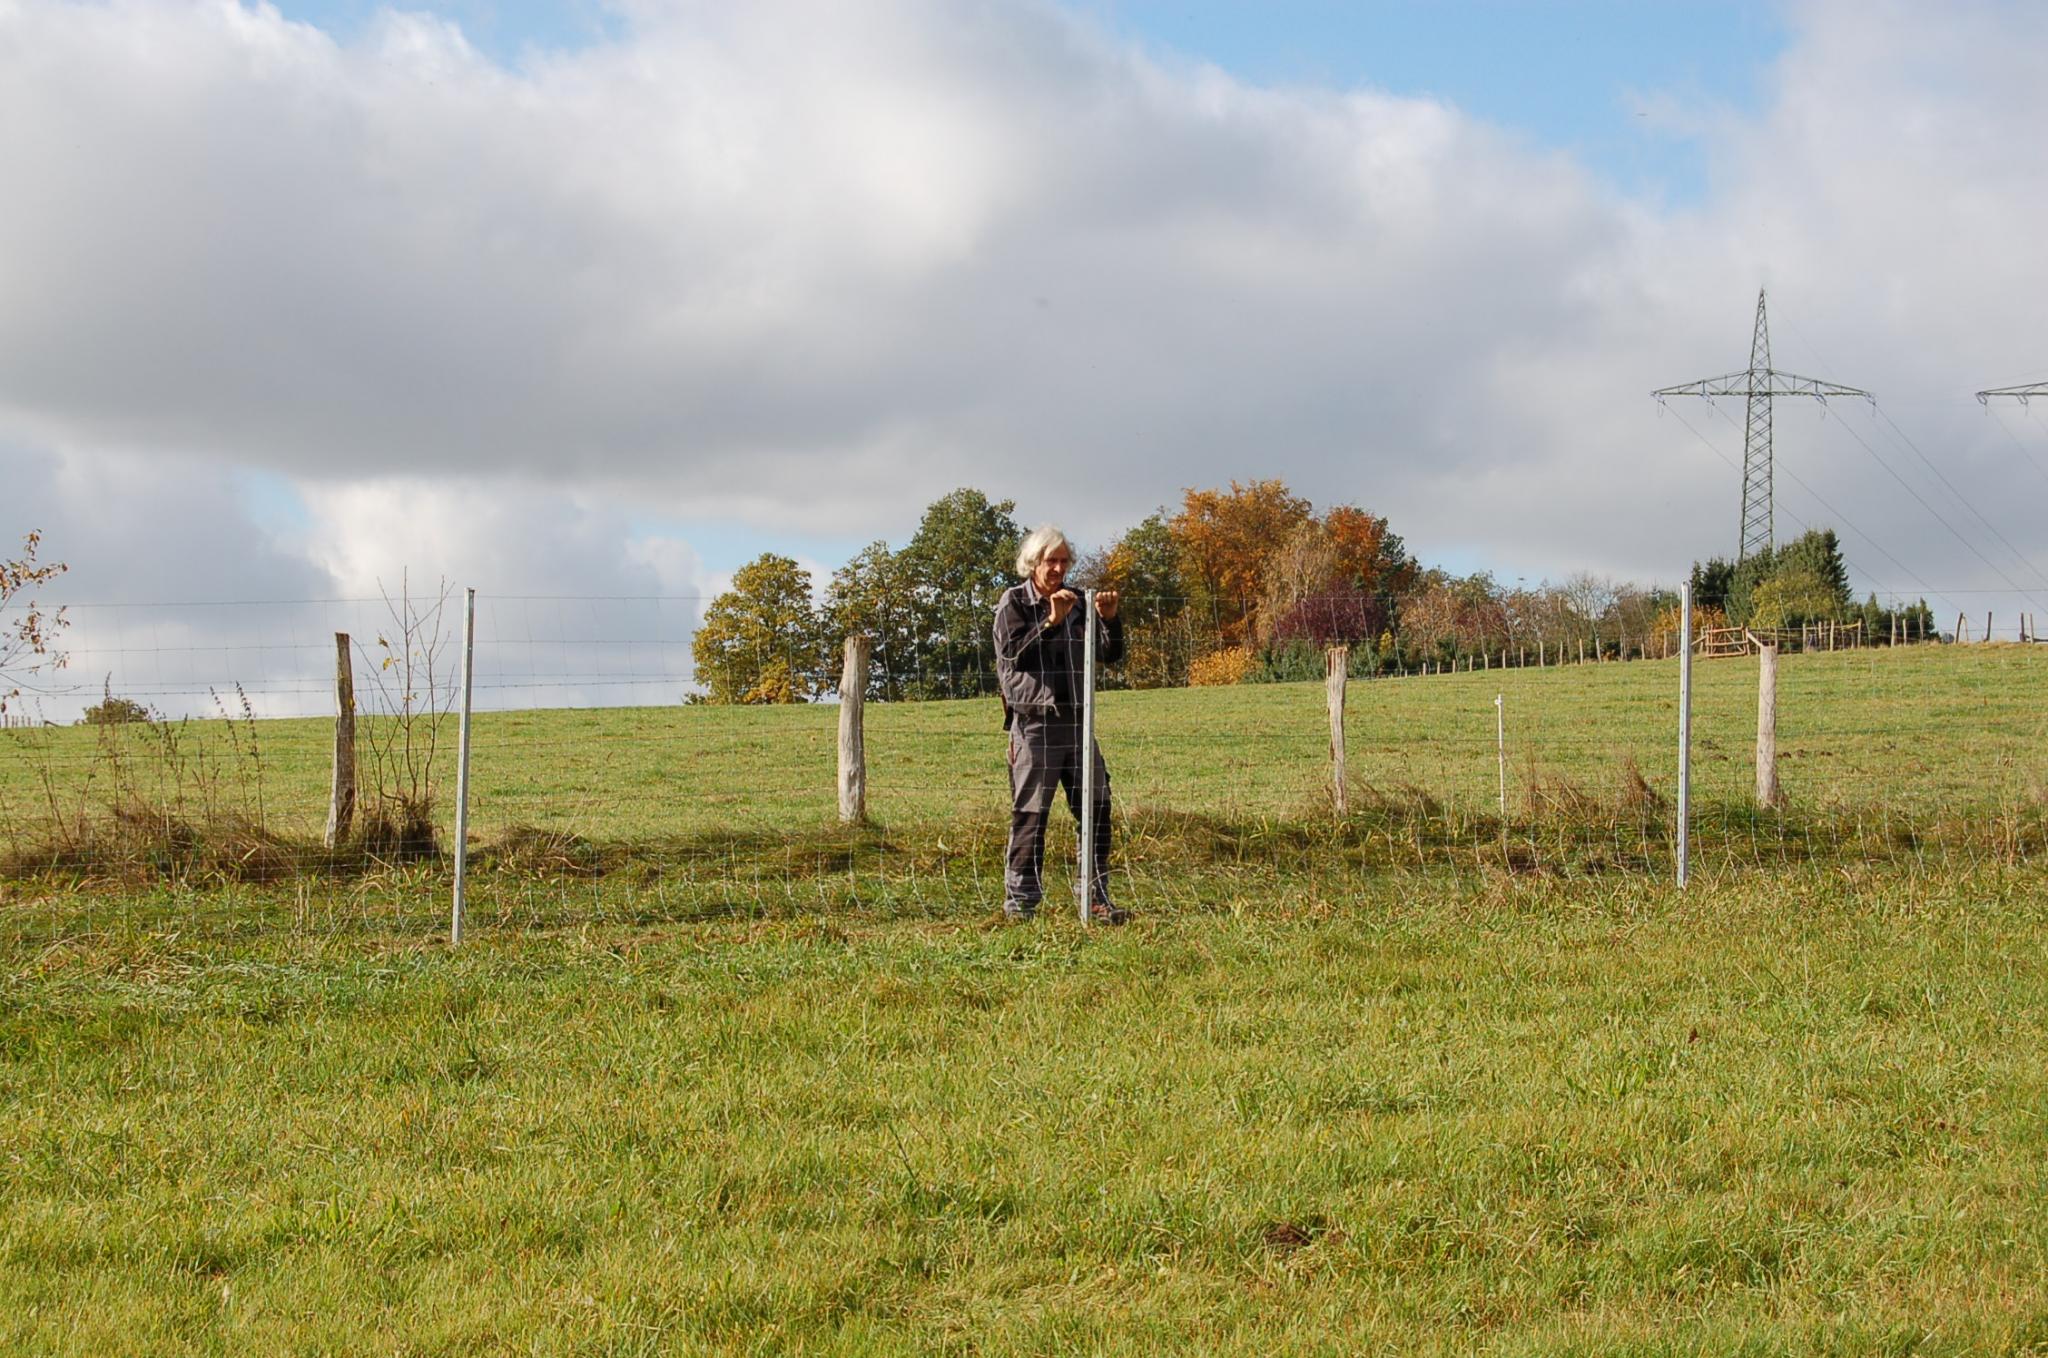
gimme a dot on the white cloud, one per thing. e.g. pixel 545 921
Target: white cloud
pixel 812 264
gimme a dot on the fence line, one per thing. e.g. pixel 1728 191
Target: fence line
pixel 1890 755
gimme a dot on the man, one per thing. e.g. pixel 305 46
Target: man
pixel 1040 648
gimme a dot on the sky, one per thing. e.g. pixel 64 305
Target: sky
pixel 604 298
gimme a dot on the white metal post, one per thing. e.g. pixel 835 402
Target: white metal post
pixel 462 766
pixel 1684 730
pixel 1086 885
pixel 1500 740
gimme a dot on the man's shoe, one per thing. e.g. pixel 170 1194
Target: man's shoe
pixel 1016 912
pixel 1102 912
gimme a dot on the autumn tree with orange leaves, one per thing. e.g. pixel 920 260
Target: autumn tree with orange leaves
pixel 1227 539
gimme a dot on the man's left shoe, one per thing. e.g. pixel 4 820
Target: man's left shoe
pixel 1102 912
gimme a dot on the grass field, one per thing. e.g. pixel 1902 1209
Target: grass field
pixel 1882 747
pixel 714 1076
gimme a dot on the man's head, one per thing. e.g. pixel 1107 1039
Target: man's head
pixel 1045 557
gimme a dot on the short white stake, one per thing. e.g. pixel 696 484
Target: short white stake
pixel 462 767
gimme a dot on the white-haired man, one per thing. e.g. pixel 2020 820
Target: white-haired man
pixel 1040 649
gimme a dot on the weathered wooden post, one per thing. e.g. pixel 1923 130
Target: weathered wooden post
pixel 1337 662
pixel 853 755
pixel 1768 794
pixel 1987 626
pixel 341 797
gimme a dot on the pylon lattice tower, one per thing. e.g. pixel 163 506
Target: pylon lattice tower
pixel 1757 385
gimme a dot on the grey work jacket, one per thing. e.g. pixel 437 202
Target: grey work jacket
pixel 1038 669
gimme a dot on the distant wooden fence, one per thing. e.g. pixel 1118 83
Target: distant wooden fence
pixel 1716 642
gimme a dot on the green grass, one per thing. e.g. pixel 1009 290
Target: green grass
pixel 1792 1116
pixel 713 1074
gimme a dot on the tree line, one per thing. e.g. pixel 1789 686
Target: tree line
pixel 1241 584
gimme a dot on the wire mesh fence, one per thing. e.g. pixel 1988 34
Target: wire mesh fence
pixel 184 768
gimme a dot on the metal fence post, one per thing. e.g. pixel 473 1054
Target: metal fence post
pixel 1684 731
pixel 462 767
pixel 1500 744
pixel 1086 883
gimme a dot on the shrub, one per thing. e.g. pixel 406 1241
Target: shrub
pixel 1231 665
pixel 112 711
pixel 1334 618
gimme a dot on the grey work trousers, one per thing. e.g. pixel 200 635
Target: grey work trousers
pixel 1045 755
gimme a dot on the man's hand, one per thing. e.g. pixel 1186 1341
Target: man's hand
pixel 1106 603
pixel 1062 602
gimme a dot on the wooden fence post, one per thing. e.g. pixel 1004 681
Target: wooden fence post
pixel 1338 662
pixel 853 754
pixel 341 796
pixel 1768 793
pixel 1987 626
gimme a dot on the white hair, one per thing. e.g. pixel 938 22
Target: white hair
pixel 1036 544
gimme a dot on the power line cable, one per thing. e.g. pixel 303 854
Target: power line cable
pixel 2017 442
pixel 1964 500
pixel 1927 590
pixel 1900 435
pixel 1995 569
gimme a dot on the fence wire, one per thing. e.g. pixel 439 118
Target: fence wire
pixel 201 791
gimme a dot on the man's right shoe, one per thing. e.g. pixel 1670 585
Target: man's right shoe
pixel 1016 912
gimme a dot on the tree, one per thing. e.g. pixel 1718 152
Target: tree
pixel 870 596
pixel 1226 540
pixel 27 635
pixel 762 640
pixel 1144 566
pixel 1337 617
pixel 1711 582
pixel 112 711
pixel 1815 555
pixel 1371 556
pixel 953 571
pixel 1818 552
pixel 1304 566
pixel 1452 616
pixel 1791 598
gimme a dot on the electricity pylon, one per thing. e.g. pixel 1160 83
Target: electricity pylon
pixel 1757 384
pixel 2020 393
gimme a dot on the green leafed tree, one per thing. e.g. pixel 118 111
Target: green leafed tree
pixel 952 571
pixel 870 595
pixel 1161 635
pixel 1791 598
pixel 762 640
pixel 1817 587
